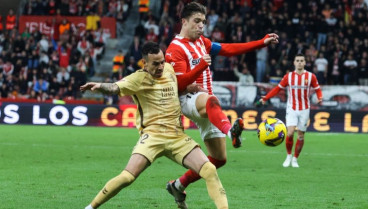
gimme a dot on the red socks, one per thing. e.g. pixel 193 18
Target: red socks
pixel 191 176
pixel 298 147
pixel 216 116
pixel 289 144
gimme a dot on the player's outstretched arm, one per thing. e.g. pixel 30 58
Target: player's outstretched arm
pixel 105 88
pixel 270 94
pixel 232 49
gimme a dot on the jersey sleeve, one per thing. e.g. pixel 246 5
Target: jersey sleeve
pixel 316 87
pixel 209 45
pixel 131 84
pixel 178 61
pixel 232 49
pixel 282 85
pixel 284 82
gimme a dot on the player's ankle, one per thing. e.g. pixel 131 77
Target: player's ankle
pixel 178 185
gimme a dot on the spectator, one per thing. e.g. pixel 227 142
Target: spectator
pixel 350 65
pixel 11 20
pixel 363 72
pixel 64 51
pixel 41 86
pixel 245 77
pixel 54 88
pixel 4 91
pixel 118 65
pixel 322 67
pixel 8 68
pixel 336 66
pixel 92 21
pixel 63 79
pixel 131 66
pixel 83 45
pixel 64 26
pixel 262 55
pixel 151 36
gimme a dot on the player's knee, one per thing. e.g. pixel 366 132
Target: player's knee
pixel 212 101
pixel 125 178
pixel 216 162
pixel 208 171
pixel 290 134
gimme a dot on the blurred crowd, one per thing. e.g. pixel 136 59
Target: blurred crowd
pixel 332 34
pixel 45 67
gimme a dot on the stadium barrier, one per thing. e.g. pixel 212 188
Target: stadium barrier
pixel 321 120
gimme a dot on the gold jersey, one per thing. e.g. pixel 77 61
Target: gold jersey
pixel 157 100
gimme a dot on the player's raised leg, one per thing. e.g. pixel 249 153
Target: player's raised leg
pixel 209 106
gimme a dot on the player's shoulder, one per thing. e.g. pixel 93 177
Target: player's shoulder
pixel 136 77
pixel 169 68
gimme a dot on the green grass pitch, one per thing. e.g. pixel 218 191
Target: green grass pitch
pixel 52 167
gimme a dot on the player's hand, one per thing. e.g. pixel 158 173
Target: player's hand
pixel 194 88
pixel 90 86
pixel 272 38
pixel 262 101
pixel 207 58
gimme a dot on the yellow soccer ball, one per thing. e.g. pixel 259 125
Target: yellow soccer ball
pixel 271 132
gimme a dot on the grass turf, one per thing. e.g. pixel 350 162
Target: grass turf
pixel 64 167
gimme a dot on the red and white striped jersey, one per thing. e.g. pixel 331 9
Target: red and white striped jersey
pixel 299 86
pixel 184 55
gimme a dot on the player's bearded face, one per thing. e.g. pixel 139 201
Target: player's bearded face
pixel 154 64
pixel 196 25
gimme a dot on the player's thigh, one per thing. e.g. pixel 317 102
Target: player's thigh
pixel 151 146
pixel 195 159
pixel 303 116
pixel 201 103
pixel 178 148
pixel 137 164
pixel 216 147
pixel 291 117
pixel 207 129
pixel 188 104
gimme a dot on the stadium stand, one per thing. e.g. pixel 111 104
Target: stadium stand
pixel 332 35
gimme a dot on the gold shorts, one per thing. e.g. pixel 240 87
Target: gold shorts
pixel 153 146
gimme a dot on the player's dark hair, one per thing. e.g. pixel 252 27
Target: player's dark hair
pixel 299 55
pixel 192 8
pixel 150 48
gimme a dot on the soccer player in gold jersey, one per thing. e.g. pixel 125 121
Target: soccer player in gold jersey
pixel 154 89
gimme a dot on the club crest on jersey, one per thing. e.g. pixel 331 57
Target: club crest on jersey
pixel 306 81
pixel 196 61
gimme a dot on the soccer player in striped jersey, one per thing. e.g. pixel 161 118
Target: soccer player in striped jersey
pixel 189 54
pixel 298 83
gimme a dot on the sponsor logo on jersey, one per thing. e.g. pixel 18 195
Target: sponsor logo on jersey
pixel 196 61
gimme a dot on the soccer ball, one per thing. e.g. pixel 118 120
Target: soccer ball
pixel 271 132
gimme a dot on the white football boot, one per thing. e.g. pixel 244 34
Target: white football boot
pixel 294 162
pixel 287 161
